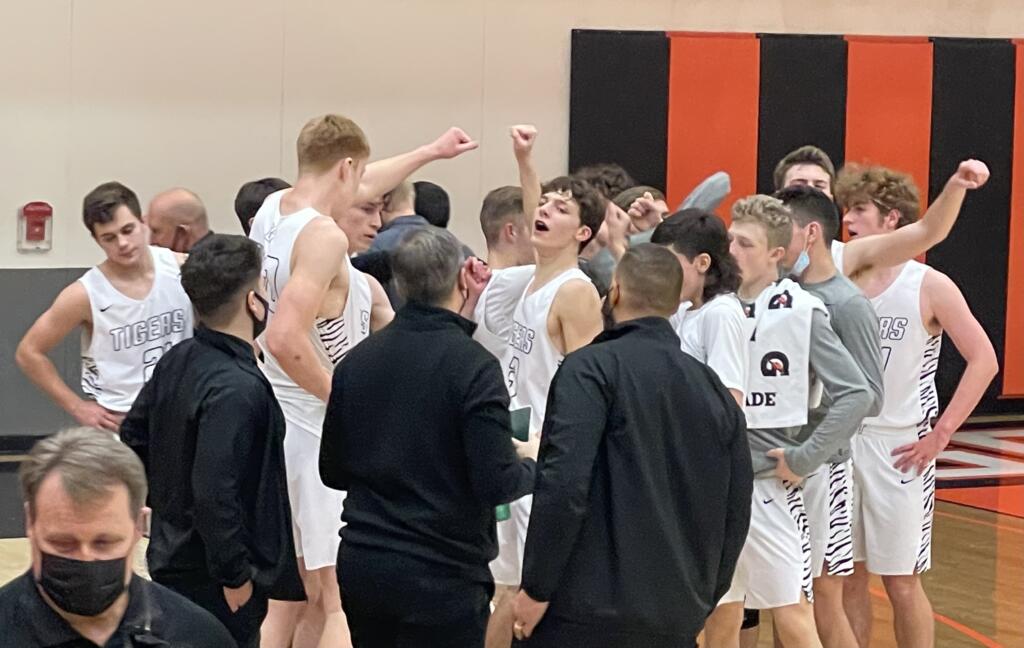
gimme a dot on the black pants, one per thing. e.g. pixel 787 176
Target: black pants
pixel 392 601
pixel 553 632
pixel 244 625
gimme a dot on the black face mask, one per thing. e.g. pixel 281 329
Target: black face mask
pixel 82 587
pixel 258 326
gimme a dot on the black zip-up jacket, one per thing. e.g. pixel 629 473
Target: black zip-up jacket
pixel 417 431
pixel 644 481
pixel 210 433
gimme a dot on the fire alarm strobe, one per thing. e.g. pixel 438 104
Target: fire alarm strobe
pixel 35 227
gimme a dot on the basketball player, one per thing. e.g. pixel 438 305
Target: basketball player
pixel 320 307
pixel 807 166
pixel 894 457
pixel 510 258
pixel 558 313
pixel 795 355
pixel 828 491
pixel 710 321
pixel 131 309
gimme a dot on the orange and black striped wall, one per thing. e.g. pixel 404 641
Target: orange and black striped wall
pixel 675 107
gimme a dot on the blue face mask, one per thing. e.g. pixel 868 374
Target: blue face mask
pixel 802 263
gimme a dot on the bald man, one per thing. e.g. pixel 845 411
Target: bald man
pixel 177 219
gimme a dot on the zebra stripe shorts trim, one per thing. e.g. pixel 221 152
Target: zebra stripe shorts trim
pixel 829 500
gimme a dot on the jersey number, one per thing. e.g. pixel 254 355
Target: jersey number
pixel 886 354
pixel 152 356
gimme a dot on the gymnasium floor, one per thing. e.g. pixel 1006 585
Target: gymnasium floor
pixel 976 583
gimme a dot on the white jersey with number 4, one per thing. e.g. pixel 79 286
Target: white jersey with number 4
pixel 332 338
pixel 910 353
pixel 532 358
pixel 128 335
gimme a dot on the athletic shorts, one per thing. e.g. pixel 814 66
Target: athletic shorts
pixel 507 568
pixel 828 498
pixel 892 520
pixel 774 568
pixel 316 509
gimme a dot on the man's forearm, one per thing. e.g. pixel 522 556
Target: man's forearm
pixel 529 181
pixel 298 360
pixel 973 383
pixel 941 215
pixel 382 176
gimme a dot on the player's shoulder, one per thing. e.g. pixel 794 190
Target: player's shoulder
pixel 937 283
pixel 577 292
pixel 726 306
pixel 323 235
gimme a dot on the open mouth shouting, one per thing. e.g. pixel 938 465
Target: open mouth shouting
pixel 540 226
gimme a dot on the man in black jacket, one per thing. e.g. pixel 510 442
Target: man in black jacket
pixel 210 433
pixel 418 432
pixel 644 482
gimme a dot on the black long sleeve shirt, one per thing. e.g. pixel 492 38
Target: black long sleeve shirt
pixel 644 481
pixel 417 431
pixel 211 434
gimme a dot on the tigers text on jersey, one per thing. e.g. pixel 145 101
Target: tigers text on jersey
pixel 130 335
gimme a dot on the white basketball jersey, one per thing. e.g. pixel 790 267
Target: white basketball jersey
pixel 332 338
pixel 532 358
pixel 130 335
pixel 909 353
pixel 496 307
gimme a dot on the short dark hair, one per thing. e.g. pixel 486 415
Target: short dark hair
pixel 609 179
pixel 695 231
pixel 251 196
pixel 804 155
pixel 500 206
pixel 432 203
pixel 591 203
pixel 218 268
pixel 100 204
pixel 810 204
pixel 426 265
pixel 625 199
pixel 651 278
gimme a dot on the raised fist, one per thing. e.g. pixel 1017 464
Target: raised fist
pixel 523 138
pixel 971 174
pixel 453 143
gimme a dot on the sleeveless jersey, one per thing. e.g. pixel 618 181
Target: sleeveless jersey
pixel 130 335
pixel 531 358
pixel 496 306
pixel 332 338
pixel 910 355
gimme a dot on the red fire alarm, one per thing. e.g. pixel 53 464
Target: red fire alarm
pixel 35 227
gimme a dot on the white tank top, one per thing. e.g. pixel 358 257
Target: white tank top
pixel 130 335
pixel 332 338
pixel 496 307
pixel 531 358
pixel 910 354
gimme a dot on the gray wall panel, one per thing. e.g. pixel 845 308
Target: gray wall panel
pixel 24 295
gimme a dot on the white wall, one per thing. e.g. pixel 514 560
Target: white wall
pixel 208 94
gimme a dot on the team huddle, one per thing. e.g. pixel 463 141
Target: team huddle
pixel 829 350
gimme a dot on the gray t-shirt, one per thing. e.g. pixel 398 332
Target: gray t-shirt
pixel 847 390
pixel 854 320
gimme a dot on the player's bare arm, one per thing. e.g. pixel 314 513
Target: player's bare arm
pixel 575 317
pixel 384 175
pixel 945 309
pixel 381 312
pixel 69 311
pixel 524 137
pixel 883 251
pixel 319 252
